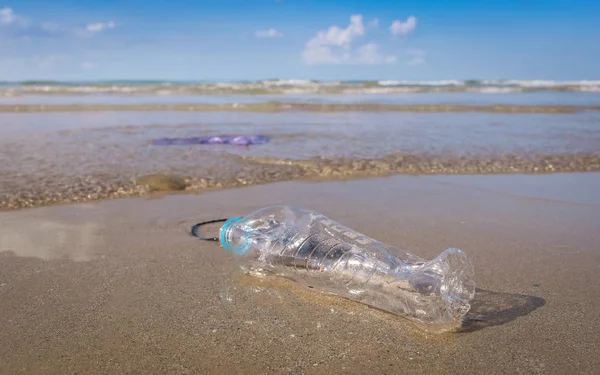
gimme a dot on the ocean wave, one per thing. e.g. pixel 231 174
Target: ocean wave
pixel 423 83
pixel 292 86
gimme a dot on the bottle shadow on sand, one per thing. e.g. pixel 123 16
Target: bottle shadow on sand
pixel 495 308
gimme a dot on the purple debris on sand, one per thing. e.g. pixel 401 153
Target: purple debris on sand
pixel 214 140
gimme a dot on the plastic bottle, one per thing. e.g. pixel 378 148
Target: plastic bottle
pixel 311 249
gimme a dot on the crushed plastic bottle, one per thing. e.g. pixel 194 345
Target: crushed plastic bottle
pixel 309 248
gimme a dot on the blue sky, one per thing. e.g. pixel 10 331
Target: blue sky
pixel 316 39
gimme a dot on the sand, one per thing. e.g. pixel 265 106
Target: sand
pixel 119 287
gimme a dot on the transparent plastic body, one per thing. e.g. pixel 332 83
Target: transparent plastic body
pixel 311 249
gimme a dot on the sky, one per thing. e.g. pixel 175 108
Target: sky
pixel 299 39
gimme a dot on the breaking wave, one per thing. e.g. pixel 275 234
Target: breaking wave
pixel 293 86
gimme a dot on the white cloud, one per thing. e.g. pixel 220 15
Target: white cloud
pixel 269 33
pixel 417 57
pixel 403 28
pixel 332 46
pixel 334 36
pixel 100 26
pixel 374 23
pixel 24 28
pixel 92 29
pixel 7 16
pixel 335 46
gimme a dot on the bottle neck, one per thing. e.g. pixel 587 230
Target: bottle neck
pixel 225 237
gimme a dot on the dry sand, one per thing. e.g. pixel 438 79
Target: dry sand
pixel 119 286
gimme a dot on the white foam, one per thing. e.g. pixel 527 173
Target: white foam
pixel 450 82
pixel 303 86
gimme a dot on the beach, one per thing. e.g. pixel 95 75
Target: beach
pixel 98 272
pixel 120 286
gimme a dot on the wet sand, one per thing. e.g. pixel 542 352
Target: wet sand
pixel 22 190
pixel 276 107
pixel 119 286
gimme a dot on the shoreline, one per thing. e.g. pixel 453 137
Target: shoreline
pixel 63 190
pixel 279 107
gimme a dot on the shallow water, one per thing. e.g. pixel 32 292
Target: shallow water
pixel 353 135
pixel 465 98
pixel 47 157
